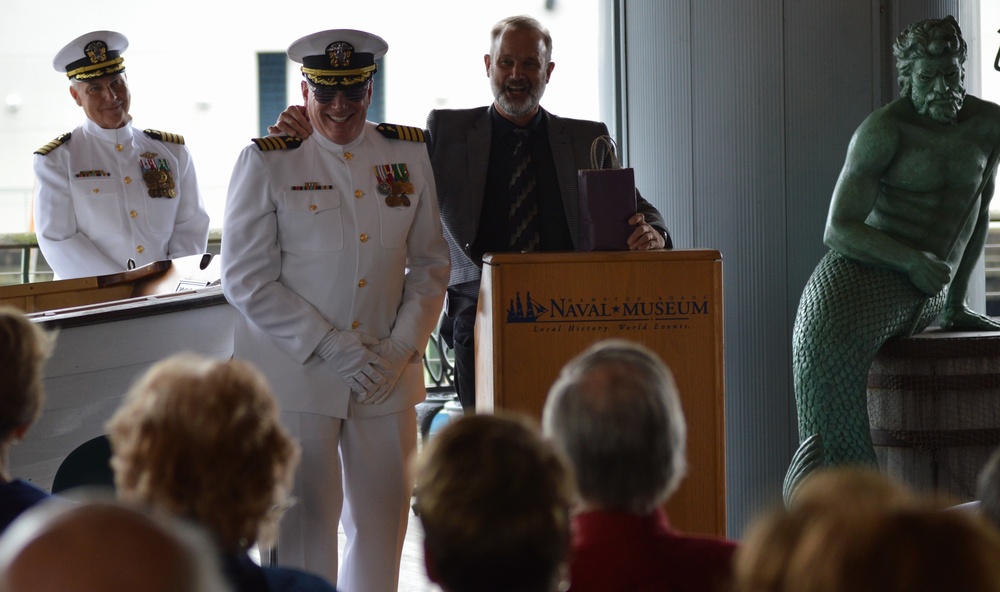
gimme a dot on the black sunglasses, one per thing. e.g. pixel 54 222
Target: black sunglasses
pixel 326 94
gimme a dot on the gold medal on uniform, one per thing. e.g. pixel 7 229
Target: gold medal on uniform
pixel 157 175
pixel 402 185
pixel 394 183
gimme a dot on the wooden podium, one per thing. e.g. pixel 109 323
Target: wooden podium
pixel 538 310
pixel 158 277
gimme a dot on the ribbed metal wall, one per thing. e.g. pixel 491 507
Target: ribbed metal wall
pixel 737 115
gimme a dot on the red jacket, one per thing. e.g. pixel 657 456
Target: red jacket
pixel 623 552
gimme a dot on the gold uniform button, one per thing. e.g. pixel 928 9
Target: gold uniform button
pixel 313 207
pixel 364 237
pixel 358 193
pixel 96 190
pixel 133 214
pixel 139 249
pixel 355 325
pixel 119 147
pixel 128 180
pixel 362 284
pixel 348 156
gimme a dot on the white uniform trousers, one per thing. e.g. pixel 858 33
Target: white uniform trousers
pixel 362 462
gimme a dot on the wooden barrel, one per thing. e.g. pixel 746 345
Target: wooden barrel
pixel 934 409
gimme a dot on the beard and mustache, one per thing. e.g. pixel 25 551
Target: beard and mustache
pixel 518 107
pixel 941 107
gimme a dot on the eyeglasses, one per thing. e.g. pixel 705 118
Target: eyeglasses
pixel 326 94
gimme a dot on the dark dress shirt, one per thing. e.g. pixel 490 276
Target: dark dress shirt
pixel 493 235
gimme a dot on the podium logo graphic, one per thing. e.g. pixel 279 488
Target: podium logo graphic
pixel 526 312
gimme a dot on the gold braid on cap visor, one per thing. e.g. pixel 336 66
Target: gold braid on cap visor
pixel 338 77
pixel 97 70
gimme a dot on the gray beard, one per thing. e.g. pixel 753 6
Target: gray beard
pixel 941 112
pixel 517 109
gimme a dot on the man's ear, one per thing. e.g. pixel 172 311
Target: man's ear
pixel 305 92
pixel 548 71
pixel 488 60
pixel 75 95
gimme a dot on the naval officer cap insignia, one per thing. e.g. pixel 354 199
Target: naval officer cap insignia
pixel 93 55
pixel 338 58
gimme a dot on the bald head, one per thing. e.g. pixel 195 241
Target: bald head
pixel 103 547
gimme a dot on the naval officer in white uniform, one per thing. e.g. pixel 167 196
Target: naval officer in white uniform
pixel 335 257
pixel 109 197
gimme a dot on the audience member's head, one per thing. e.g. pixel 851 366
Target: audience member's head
pixel 988 489
pixel 60 546
pixel 201 438
pixel 23 350
pixel 851 530
pixel 827 506
pixel 493 498
pixel 615 412
pixel 852 492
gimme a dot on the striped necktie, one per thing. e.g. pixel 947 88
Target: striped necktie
pixel 523 213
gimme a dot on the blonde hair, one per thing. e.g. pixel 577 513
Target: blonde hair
pixel 201 438
pixel 855 530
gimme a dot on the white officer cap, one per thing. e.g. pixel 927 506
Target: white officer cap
pixel 93 55
pixel 338 57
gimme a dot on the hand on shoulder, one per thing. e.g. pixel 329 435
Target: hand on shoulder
pixel 293 121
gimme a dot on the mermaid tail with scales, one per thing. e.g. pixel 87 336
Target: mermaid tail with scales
pixel 847 312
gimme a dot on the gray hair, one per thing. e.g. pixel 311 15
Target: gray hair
pixel 520 23
pixel 615 412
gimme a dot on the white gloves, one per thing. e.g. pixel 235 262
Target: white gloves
pixel 359 366
pixel 395 355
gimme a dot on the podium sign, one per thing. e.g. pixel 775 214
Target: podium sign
pixel 538 310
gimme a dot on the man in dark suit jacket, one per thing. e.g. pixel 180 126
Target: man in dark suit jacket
pixel 472 156
pixel 472 153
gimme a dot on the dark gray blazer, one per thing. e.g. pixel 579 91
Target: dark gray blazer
pixel 459 145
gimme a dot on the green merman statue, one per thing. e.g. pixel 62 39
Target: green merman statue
pixel 907 224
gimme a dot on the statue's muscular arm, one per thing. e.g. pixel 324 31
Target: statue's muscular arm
pixel 984 118
pixel 872 150
pixel 957 316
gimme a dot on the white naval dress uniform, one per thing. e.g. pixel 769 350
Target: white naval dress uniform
pixel 310 245
pixel 92 207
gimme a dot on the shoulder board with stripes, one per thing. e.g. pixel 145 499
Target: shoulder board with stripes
pixel 54 144
pixel 164 136
pixel 401 132
pixel 277 143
